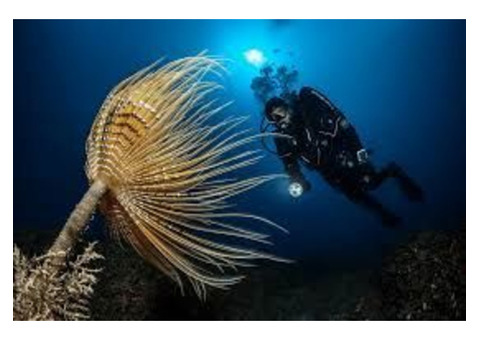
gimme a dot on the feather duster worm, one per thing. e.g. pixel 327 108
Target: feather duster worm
pixel 156 169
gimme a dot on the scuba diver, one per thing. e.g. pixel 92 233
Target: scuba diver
pixel 311 130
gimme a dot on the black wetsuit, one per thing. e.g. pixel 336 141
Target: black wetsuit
pixel 321 137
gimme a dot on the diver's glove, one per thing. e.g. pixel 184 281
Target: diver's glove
pixel 305 184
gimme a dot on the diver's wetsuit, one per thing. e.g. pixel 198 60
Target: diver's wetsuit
pixel 320 136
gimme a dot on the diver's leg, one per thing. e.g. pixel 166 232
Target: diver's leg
pixel 378 177
pixel 369 202
pixel 411 189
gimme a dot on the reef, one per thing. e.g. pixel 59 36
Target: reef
pixel 422 278
pixel 47 289
pixel 426 278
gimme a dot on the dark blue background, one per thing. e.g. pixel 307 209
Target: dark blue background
pixel 401 83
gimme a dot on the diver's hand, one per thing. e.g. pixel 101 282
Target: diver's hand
pixel 306 185
pixel 303 182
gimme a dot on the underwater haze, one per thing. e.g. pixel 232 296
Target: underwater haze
pixel 401 83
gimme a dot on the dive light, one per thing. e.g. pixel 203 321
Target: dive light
pixel 295 189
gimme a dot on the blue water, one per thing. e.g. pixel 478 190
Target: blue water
pixel 401 83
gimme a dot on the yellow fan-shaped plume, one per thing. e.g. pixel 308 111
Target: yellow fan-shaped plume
pixel 156 166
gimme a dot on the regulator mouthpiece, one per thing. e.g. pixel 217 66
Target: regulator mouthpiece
pixel 295 189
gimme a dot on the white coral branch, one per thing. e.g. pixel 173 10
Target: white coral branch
pixel 43 291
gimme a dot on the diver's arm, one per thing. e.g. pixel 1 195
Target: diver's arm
pixel 289 158
pixel 349 136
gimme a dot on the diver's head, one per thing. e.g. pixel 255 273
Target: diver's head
pixel 278 112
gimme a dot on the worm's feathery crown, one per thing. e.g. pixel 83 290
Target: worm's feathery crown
pixel 163 163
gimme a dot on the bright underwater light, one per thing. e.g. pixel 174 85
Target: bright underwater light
pixel 255 57
pixel 295 189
